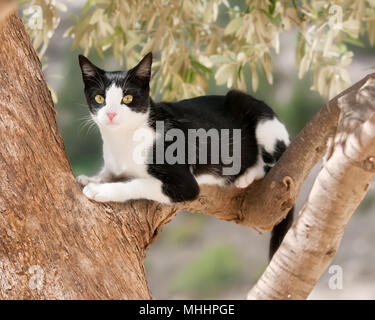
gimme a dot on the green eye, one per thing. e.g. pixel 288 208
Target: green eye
pixel 99 99
pixel 127 99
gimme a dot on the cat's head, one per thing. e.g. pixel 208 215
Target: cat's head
pixel 117 99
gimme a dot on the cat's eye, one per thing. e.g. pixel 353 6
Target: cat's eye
pixel 127 99
pixel 99 99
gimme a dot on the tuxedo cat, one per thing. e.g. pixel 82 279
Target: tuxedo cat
pixel 238 137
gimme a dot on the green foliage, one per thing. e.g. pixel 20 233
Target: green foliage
pixel 49 20
pixel 186 231
pixel 195 37
pixel 82 139
pixel 215 268
pixel 298 110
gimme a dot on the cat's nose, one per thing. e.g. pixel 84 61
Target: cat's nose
pixel 111 115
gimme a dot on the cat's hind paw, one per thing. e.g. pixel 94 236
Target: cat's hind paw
pixel 101 192
pixel 249 176
pixel 243 181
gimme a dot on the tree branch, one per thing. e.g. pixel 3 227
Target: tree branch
pixel 341 184
pixel 266 202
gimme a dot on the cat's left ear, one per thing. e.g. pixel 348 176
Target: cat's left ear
pixel 89 70
pixel 142 71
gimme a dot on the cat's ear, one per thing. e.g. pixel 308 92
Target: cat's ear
pixel 89 70
pixel 142 71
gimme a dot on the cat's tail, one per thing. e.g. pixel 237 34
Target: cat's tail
pixel 279 231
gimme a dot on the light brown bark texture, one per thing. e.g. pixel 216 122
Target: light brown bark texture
pixel 90 250
pixel 86 250
pixel 342 182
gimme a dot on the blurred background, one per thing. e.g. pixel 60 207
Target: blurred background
pixel 201 257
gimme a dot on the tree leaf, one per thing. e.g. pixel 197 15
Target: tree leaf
pixel 233 26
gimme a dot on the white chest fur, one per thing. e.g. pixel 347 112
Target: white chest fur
pixel 125 150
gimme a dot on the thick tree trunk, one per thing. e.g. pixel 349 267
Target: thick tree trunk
pixel 82 250
pixel 55 243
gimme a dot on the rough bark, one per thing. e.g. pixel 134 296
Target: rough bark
pixel 92 250
pixel 342 182
pixel 6 7
pixel 86 250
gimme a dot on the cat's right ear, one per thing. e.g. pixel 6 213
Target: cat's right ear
pixel 89 70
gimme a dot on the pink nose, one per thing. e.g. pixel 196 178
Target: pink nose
pixel 111 115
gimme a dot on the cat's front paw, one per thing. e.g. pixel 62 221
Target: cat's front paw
pixel 101 192
pixel 83 180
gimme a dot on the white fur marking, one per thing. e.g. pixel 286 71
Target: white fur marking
pixel 120 151
pixel 209 179
pixel 255 172
pixel 120 143
pixel 114 95
pixel 267 132
pixel 149 188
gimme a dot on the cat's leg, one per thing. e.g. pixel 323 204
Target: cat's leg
pixel 142 188
pixel 272 139
pixel 175 187
pixel 103 176
pixel 255 172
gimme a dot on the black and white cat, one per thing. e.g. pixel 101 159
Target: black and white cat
pixel 122 108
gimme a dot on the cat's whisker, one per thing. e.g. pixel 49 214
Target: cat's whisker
pixel 85 118
pixel 81 104
pixel 86 122
pixel 91 128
